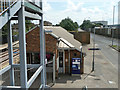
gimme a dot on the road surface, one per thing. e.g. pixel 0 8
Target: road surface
pixel 103 43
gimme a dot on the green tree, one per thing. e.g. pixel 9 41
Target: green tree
pixel 29 25
pixel 5 30
pixel 68 24
pixel 86 25
pixel 4 34
pixel 98 24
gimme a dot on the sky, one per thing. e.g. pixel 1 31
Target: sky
pixel 79 10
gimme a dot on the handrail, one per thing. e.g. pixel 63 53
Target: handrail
pixel 6 4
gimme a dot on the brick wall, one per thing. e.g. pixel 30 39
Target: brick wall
pixel 83 37
pixel 33 44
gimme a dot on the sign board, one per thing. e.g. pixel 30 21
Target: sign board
pixel 94 49
pixel 76 65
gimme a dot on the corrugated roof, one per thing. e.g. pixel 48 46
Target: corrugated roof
pixel 62 33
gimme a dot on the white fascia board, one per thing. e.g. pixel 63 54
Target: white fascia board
pixel 54 35
pixel 66 42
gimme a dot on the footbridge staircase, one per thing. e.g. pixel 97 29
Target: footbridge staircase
pixel 22 10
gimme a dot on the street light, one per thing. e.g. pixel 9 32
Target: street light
pixel 113 24
pixel 113 28
pixel 93 51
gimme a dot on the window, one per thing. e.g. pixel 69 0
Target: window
pixel 60 59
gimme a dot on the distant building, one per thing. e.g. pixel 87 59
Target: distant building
pixel 102 22
pixel 47 23
pixel 113 26
pixel 119 12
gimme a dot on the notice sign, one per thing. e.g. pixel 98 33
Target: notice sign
pixel 76 65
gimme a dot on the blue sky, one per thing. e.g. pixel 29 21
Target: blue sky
pixel 79 10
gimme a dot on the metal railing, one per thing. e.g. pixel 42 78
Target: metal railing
pixel 6 4
pixel 36 2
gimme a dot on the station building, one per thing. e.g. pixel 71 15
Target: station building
pixel 59 43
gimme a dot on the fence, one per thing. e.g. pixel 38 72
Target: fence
pixel 107 32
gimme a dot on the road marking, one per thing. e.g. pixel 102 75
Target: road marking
pixel 111 82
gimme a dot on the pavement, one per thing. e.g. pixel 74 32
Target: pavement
pixel 104 76
pixel 110 53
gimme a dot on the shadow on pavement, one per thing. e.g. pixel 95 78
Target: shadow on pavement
pixel 63 78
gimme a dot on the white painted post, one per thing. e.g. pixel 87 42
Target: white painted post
pixel 42 52
pixel 54 68
pixel 22 47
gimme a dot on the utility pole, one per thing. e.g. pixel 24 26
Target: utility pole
pixel 113 24
pixel 93 52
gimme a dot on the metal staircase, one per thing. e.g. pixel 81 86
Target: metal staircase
pixel 8 10
pixel 21 10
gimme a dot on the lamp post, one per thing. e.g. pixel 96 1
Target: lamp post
pixel 113 24
pixel 93 51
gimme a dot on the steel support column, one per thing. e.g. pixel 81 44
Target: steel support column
pixel 42 52
pixel 45 59
pixel 10 50
pixel 54 68
pixel 22 44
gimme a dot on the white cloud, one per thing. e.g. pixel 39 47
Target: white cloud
pixel 78 12
pixel 71 6
pixel 46 6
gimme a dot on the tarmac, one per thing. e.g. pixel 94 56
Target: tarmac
pixel 105 75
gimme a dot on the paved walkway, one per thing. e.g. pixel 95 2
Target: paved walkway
pixel 104 76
